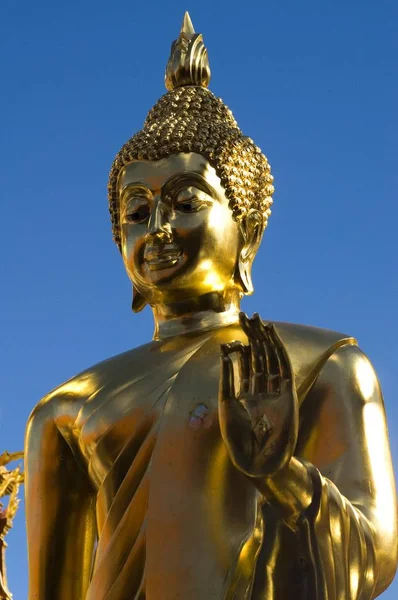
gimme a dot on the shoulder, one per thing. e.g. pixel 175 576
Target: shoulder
pixel 310 348
pixel 65 401
pixel 349 368
pixel 333 358
pixel 307 336
pixel 341 361
pixel 346 395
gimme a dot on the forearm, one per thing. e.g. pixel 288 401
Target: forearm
pixel 343 486
pixel 60 560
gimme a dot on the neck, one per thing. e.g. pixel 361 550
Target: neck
pixel 195 315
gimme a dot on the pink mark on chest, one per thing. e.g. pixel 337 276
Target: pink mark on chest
pixel 199 417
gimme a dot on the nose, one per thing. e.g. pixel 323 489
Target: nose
pixel 158 230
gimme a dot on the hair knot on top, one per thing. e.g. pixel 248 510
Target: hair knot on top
pixel 190 118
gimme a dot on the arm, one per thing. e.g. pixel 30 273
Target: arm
pixel 340 482
pixel 348 443
pixel 59 512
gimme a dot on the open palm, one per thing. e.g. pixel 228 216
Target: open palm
pixel 259 423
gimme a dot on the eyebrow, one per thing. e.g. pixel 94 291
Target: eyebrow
pixel 189 178
pixel 134 186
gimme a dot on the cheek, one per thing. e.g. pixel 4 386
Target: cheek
pixel 133 246
pixel 208 228
pixel 212 243
pixel 222 230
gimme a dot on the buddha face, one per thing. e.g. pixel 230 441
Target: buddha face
pixel 179 239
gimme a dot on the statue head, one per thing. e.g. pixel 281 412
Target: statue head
pixel 189 194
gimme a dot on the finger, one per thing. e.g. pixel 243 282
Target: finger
pixel 273 359
pixel 259 360
pixel 282 357
pixel 257 328
pixel 245 369
pixel 258 353
pixel 257 357
pixel 244 323
pixel 271 381
pixel 274 377
pixel 243 355
pixel 227 384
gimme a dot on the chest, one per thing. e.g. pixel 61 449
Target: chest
pixel 154 452
pixel 170 395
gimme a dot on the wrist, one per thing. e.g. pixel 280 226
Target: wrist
pixel 290 489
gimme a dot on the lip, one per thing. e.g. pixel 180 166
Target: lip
pixel 164 258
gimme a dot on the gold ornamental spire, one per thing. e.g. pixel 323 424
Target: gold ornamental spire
pixel 187 26
pixel 188 63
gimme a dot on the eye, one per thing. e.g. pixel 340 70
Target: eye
pixel 191 205
pixel 191 199
pixel 138 215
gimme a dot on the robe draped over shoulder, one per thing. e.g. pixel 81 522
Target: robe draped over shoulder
pixel 174 517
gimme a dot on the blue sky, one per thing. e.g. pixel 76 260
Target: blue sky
pixel 313 82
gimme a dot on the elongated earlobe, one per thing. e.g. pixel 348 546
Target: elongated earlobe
pixel 252 229
pixel 139 301
pixel 243 278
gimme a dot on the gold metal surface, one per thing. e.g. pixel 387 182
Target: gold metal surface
pixel 191 119
pixel 188 63
pixel 10 480
pixel 167 472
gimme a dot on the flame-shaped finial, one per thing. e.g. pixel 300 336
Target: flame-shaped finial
pixel 188 63
pixel 187 26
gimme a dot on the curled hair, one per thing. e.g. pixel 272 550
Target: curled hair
pixel 192 119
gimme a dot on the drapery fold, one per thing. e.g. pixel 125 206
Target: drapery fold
pixel 341 544
pixel 331 555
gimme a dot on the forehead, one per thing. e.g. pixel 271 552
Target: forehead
pixel 154 174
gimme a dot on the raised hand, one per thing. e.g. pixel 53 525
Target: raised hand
pixel 259 422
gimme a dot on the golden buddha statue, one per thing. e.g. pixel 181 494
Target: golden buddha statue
pixel 166 473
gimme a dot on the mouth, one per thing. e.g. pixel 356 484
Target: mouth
pixel 162 258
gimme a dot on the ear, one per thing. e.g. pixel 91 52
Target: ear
pixel 139 301
pixel 252 228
